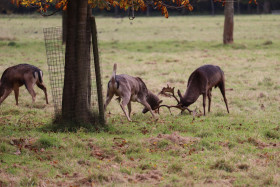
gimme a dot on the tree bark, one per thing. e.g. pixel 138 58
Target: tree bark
pixel 82 49
pixel 148 11
pixel 238 6
pixel 69 91
pixel 116 11
pixel 212 8
pixel 97 72
pixel 266 7
pixel 229 22
pixel 76 92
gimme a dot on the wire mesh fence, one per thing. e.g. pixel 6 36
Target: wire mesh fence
pixel 56 60
pixel 55 51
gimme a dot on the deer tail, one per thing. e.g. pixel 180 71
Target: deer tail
pixel 113 78
pixel 40 75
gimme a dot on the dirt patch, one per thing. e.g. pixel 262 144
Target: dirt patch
pixel 22 143
pixel 149 176
pixel 174 138
pixel 99 153
pixel 262 145
pixel 223 182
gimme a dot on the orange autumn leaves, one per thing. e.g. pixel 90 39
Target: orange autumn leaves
pixel 224 1
pixel 141 4
pixel 43 5
pixel 160 5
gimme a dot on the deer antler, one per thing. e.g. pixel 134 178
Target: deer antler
pixel 166 92
pixel 169 92
pixel 175 106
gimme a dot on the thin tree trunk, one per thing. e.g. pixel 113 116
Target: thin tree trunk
pixel 229 23
pixel 266 7
pixel 212 8
pixel 97 72
pixel 238 6
pixel 89 15
pixel 116 11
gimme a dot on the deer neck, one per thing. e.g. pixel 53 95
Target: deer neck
pixel 191 94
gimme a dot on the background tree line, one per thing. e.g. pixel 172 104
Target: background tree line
pixel 201 7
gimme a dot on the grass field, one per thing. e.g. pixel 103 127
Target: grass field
pixel 237 149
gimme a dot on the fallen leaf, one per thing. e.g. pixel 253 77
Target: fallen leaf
pixel 17 152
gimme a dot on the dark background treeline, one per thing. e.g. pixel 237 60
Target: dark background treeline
pixel 201 7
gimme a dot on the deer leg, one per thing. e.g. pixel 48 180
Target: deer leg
pixel 31 91
pixel 108 99
pixel 204 101
pixel 209 99
pixel 43 87
pixel 223 91
pixel 16 90
pixel 146 104
pixel 125 102
pixel 129 108
pixel 5 95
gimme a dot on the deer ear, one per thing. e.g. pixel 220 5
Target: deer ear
pixel 160 101
pixel 179 93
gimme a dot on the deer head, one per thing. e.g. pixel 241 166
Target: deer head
pixel 153 101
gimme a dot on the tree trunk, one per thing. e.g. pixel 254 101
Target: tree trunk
pixel 97 72
pixel 266 7
pixel 212 8
pixel 238 6
pixel 228 25
pixel 116 11
pixel 69 91
pixel 148 11
pixel 76 91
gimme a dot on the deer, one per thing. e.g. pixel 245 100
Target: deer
pixel 200 82
pixel 131 89
pixel 19 75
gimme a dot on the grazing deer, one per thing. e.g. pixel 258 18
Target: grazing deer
pixel 201 82
pixel 129 89
pixel 22 74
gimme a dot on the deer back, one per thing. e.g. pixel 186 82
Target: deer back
pixel 16 75
pixel 201 80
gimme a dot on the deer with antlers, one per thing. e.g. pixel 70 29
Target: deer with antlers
pixel 201 82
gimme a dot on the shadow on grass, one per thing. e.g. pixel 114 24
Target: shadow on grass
pixel 62 125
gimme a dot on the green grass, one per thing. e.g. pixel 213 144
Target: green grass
pixel 237 149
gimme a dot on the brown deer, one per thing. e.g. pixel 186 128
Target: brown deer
pixel 18 75
pixel 201 82
pixel 131 89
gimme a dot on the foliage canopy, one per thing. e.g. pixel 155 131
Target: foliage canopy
pixel 136 5
pixel 161 5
